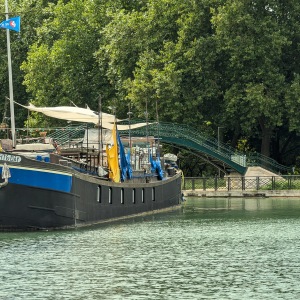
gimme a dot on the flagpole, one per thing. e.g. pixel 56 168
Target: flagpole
pixel 11 93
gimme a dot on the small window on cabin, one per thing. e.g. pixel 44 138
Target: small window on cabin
pixel 99 194
pixel 143 199
pixel 122 196
pixel 110 196
pixel 153 194
pixel 133 195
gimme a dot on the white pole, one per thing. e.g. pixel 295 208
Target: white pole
pixel 11 93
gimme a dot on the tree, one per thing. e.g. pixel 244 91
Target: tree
pixel 233 64
pixel 254 36
pixel 161 55
pixel 61 67
pixel 32 13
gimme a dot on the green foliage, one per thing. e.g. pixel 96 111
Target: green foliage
pixel 243 145
pixel 293 103
pixel 151 59
pixel 283 185
pixel 193 166
pixel 60 67
pixel 254 38
pixel 297 166
pixel 233 64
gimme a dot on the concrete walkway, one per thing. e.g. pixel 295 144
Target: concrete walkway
pixel 255 172
pixel 241 194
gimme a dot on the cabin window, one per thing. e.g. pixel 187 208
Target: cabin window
pixel 143 199
pixel 99 194
pixel 133 195
pixel 110 196
pixel 122 196
pixel 153 194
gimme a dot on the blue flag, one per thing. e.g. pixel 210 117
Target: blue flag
pixel 153 164
pixel 129 169
pixel 123 161
pixel 159 169
pixel 12 24
pixel 156 167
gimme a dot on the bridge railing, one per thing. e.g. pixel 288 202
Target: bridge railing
pixel 189 134
pixel 185 132
pixel 257 159
pixel 250 183
pixel 64 135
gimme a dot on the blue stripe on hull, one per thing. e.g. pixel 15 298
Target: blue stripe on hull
pixel 41 178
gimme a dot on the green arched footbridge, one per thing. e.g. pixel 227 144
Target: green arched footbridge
pixel 220 155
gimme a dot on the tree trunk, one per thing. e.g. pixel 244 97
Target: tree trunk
pixel 235 137
pixel 266 140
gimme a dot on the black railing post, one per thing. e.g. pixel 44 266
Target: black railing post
pixel 243 183
pixel 193 184
pixel 204 184
pixel 273 183
pixel 216 183
pixel 257 182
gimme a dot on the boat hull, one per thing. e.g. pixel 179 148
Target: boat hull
pixel 28 208
pixel 85 200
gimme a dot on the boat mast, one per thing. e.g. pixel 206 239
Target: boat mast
pixel 158 133
pixel 100 132
pixel 11 92
pixel 147 131
pixel 129 120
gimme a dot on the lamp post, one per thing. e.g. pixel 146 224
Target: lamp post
pixel 158 133
pixel 11 93
pixel 147 135
pixel 100 133
pixel 147 132
pixel 129 121
pixel 219 127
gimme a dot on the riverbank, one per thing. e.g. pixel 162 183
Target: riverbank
pixel 241 193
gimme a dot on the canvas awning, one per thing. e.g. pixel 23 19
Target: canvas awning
pixel 78 114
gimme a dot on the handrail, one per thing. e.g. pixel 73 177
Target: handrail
pixel 63 136
pixel 187 133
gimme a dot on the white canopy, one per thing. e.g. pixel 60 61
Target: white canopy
pixel 83 115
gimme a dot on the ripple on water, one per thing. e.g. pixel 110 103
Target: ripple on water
pixel 220 254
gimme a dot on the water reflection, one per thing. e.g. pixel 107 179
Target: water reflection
pixel 268 207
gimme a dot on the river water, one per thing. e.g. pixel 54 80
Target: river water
pixel 208 249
